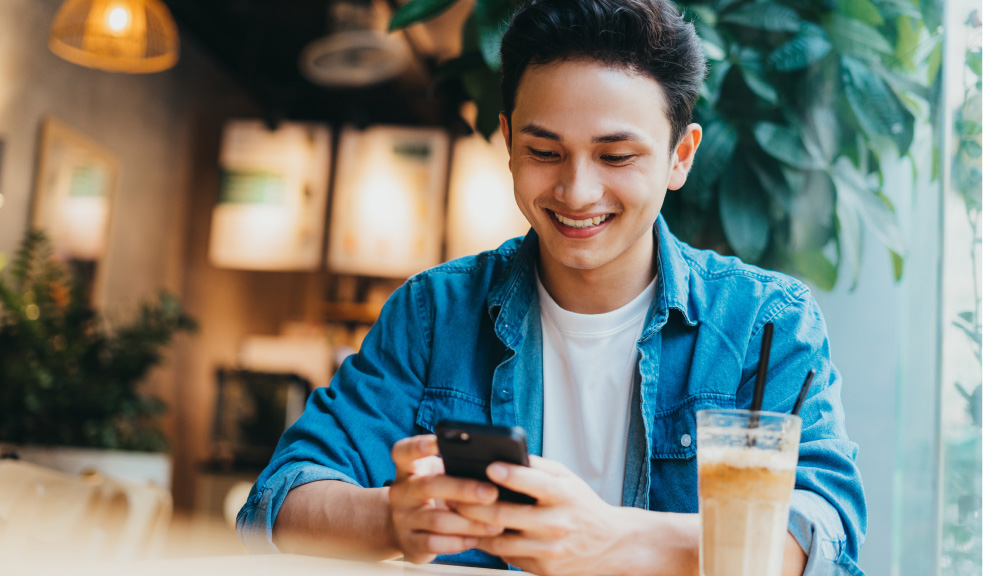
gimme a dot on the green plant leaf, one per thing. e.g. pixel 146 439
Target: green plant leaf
pixel 855 38
pixel 973 335
pixel 759 85
pixel 909 30
pixel 481 84
pixel 764 16
pixel 716 149
pixel 744 212
pixel 974 59
pixel 700 14
pixel 897 265
pixel 809 46
pixel 816 268
pixel 714 46
pixel 785 144
pixel 934 67
pixel 891 9
pixel 972 148
pixel 773 180
pixel 490 17
pixel 710 90
pixel 416 11
pixel 812 213
pixel 862 10
pixel 876 107
pixel 904 84
pixel 875 210
pixel 849 236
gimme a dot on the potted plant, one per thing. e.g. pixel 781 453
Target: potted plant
pixel 68 378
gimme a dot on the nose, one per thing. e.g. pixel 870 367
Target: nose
pixel 579 184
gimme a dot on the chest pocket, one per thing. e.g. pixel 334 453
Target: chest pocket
pixel 445 404
pixel 673 462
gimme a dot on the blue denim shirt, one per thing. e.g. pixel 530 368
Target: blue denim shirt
pixel 462 341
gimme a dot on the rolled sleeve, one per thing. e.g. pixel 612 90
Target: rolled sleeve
pixel 829 512
pixel 817 528
pixel 347 430
pixel 255 520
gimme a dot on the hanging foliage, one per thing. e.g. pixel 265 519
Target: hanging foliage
pixel 804 103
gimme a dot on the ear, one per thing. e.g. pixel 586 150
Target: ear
pixel 683 157
pixel 507 134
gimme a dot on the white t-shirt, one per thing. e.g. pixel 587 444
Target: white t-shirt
pixel 588 375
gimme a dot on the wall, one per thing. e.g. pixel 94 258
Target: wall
pixel 153 124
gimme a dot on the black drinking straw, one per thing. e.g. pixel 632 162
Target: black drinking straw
pixel 759 382
pixel 804 392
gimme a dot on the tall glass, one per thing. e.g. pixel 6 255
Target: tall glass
pixel 746 466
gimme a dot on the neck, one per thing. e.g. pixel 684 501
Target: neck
pixel 601 289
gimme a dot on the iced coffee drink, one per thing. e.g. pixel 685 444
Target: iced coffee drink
pixel 746 469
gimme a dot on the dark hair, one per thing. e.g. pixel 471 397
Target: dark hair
pixel 648 37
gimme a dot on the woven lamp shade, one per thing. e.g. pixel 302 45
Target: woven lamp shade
pixel 133 36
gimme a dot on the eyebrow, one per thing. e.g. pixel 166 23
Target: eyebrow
pixel 538 131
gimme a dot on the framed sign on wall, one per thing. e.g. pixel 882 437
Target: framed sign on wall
pixel 387 214
pixel 73 197
pixel 273 195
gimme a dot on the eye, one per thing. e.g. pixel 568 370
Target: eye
pixel 617 159
pixel 544 154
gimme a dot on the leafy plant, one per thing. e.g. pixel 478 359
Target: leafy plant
pixel 804 103
pixel 65 378
pixel 962 531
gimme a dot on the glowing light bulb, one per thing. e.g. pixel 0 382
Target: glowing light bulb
pixel 118 19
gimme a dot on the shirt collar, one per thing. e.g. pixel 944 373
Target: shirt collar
pixel 672 290
pixel 511 297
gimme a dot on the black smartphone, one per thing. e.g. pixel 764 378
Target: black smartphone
pixel 467 450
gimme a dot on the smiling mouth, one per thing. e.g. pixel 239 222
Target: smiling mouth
pixel 585 223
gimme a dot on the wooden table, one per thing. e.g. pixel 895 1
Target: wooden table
pixel 261 565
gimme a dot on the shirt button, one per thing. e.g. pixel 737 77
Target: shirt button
pixel 505 393
pixel 685 440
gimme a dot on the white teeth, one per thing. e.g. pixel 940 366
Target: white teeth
pixel 581 223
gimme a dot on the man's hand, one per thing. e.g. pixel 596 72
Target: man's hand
pixel 422 500
pixel 570 531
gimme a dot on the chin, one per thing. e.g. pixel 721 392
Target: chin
pixel 579 261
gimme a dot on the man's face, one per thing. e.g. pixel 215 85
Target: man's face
pixel 591 161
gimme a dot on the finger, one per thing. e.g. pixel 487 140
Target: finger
pixel 538 483
pixel 421 489
pixel 523 517
pixel 448 523
pixel 425 542
pixel 408 450
pixel 551 466
pixel 511 545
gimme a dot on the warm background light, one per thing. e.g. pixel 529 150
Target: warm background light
pixel 388 207
pixel 118 19
pixel 482 209
pixel 274 188
pixel 133 36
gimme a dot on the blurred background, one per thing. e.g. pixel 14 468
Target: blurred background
pixel 205 203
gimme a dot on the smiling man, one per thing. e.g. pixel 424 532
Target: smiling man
pixel 599 332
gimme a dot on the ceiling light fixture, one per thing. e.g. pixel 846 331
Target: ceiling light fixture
pixel 132 36
pixel 357 53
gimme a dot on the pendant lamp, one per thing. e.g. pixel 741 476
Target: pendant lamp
pixel 132 36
